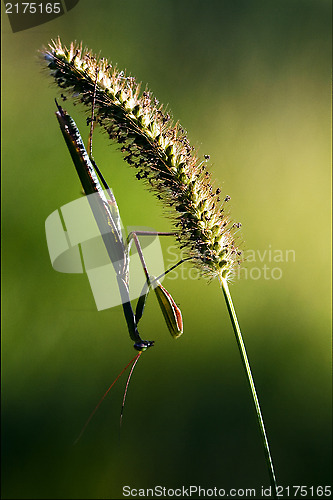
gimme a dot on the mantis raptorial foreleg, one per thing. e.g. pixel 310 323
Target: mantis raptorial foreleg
pixel 169 308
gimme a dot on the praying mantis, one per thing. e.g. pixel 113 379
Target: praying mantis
pixel 106 213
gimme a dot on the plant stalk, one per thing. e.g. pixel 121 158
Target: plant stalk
pixel 246 364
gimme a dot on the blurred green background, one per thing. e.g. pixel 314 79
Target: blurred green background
pixel 250 81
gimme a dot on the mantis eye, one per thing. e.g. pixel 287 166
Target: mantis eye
pixel 143 345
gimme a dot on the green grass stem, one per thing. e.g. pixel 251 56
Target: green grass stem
pixel 246 364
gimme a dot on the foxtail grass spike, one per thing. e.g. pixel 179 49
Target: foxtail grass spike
pixel 159 150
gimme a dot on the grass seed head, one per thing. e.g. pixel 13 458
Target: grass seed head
pixel 158 148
